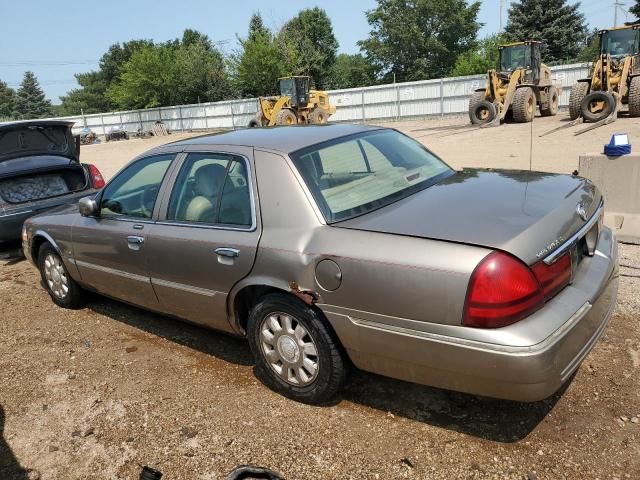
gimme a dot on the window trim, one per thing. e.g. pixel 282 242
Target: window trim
pixel 210 226
pixel 159 197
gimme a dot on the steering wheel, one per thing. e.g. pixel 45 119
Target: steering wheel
pixel 148 199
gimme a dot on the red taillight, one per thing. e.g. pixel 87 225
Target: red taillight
pixel 502 290
pixel 554 277
pixel 96 177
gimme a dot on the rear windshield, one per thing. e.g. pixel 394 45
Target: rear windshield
pixel 32 139
pixel 354 175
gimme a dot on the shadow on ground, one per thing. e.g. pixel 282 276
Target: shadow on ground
pixel 10 468
pixel 495 420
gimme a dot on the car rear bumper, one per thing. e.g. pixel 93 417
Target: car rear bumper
pixel 515 371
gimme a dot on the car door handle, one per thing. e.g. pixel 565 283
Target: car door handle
pixel 228 252
pixel 135 240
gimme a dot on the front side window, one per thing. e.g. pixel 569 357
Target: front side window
pixel 513 58
pixel 357 174
pixel 212 189
pixel 134 191
pixel 620 42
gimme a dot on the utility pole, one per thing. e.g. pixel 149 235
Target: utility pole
pixel 616 5
pixel 501 9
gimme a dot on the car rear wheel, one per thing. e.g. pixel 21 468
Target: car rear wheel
pixel 64 291
pixel 296 352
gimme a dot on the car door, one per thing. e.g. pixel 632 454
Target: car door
pixel 110 249
pixel 207 235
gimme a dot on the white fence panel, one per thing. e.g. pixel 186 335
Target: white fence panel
pixel 426 98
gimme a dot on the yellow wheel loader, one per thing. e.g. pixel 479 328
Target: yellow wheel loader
pixel 614 78
pixel 297 104
pixel 520 85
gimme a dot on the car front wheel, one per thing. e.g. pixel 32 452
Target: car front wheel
pixel 64 291
pixel 296 352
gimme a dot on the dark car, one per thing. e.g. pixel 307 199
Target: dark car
pixel 343 244
pixel 39 169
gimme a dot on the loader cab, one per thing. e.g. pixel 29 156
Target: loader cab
pixel 620 42
pixel 296 88
pixel 522 55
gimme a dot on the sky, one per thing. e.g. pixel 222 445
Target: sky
pixel 56 42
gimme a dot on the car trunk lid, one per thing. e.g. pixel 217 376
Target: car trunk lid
pixel 527 214
pixel 37 137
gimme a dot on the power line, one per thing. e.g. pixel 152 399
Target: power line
pixel 47 63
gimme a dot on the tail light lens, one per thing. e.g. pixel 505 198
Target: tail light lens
pixel 96 177
pixel 502 290
pixel 554 277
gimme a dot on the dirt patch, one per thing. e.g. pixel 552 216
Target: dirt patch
pixel 95 393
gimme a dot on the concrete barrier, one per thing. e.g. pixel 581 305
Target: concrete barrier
pixel 618 178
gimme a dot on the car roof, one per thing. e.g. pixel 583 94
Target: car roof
pixel 282 139
pixel 41 123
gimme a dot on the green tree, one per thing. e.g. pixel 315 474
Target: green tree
pixel 200 74
pixel 556 22
pixel 308 46
pixel 481 59
pixel 257 27
pixel 258 65
pixel 30 99
pixel 7 100
pixel 591 50
pixel 351 71
pixel 92 97
pixel 147 79
pixel 635 10
pixel 171 73
pixel 89 98
pixel 419 39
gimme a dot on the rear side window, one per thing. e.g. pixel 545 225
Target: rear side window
pixel 212 189
pixel 133 193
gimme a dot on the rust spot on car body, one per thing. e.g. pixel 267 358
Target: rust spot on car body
pixel 307 296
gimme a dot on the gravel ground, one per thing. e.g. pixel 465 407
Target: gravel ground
pixel 98 392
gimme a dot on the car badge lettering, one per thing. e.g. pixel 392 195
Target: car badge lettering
pixel 581 211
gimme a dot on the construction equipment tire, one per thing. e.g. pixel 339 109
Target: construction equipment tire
pixel 254 123
pixel 319 116
pixel 483 112
pixel 474 100
pixel 524 105
pixel 286 117
pixel 553 98
pixel 597 106
pixel 578 92
pixel 634 97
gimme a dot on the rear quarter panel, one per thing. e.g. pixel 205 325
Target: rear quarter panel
pixel 384 278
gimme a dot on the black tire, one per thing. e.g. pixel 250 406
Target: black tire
pixel 319 116
pixel 597 106
pixel 286 117
pixel 578 92
pixel 553 98
pixel 254 123
pixel 634 97
pixel 483 112
pixel 474 100
pixel 75 296
pixel 524 105
pixel 331 361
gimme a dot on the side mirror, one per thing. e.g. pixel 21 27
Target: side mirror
pixel 88 207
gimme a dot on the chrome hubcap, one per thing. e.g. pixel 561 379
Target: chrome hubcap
pixel 56 277
pixel 289 349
